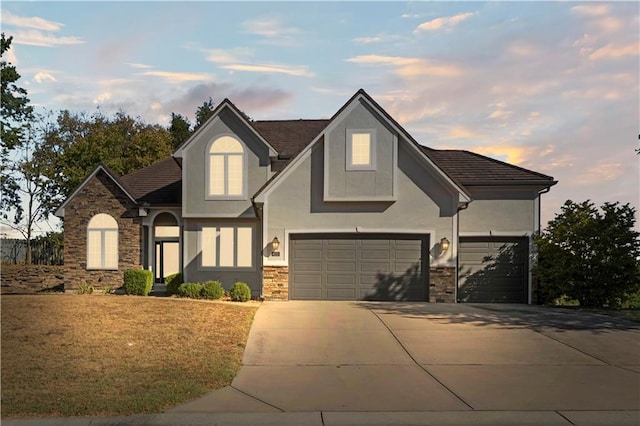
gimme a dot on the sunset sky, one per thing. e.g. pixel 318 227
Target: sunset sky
pixel 553 87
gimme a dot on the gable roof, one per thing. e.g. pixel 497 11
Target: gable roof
pixel 288 137
pixel 471 169
pixel 361 94
pixel 157 184
pixel 110 173
pixel 226 103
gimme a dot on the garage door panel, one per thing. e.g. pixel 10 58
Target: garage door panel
pixel 314 266
pixel 303 293
pixel 307 253
pixel 368 267
pixel 308 279
pixel 341 267
pixel 493 269
pixel 375 254
pixel 361 266
pixel 341 294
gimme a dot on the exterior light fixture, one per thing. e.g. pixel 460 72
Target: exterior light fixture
pixel 444 244
pixel 275 244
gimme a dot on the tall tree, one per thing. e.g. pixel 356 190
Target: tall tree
pixel 203 112
pixel 15 113
pixel 78 142
pixel 590 254
pixel 26 206
pixel 180 129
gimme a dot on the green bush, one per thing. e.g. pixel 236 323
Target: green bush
pixel 138 281
pixel 84 288
pixel 633 301
pixel 212 290
pixel 172 282
pixel 240 292
pixel 191 290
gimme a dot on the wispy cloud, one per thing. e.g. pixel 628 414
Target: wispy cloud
pixel 299 71
pixel 273 31
pixel 611 51
pixel 33 22
pixel 410 66
pixel 446 22
pixel 590 9
pixel 36 31
pixel 178 76
pixel 42 76
pixel 38 38
pixel 238 54
pixel 139 66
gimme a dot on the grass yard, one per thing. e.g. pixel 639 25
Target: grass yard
pixel 78 355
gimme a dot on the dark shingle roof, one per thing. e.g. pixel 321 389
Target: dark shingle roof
pixel 289 137
pixel 159 183
pixel 469 169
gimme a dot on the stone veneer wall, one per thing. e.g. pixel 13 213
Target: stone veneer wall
pixel 442 285
pixel 275 282
pixel 100 195
pixel 21 279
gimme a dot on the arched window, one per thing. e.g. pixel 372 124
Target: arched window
pixel 102 242
pixel 226 168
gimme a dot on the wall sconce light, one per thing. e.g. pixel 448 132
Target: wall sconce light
pixel 275 244
pixel 444 244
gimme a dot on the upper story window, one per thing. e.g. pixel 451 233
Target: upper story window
pixel 102 242
pixel 226 169
pixel 361 150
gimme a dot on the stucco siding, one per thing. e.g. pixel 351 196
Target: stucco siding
pixel 351 184
pixel 195 272
pixel 498 216
pixel 195 169
pixel 297 204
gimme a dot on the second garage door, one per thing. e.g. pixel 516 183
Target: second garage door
pixel 358 267
pixel 493 269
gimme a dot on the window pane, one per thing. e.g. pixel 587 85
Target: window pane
pixel 103 221
pixel 216 175
pixel 167 231
pixel 226 247
pixel 110 249
pixel 225 145
pixel 360 149
pixel 244 247
pixel 94 249
pixel 208 241
pixel 235 175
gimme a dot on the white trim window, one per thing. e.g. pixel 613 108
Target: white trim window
pixel 102 242
pixel 226 169
pixel 226 247
pixel 361 150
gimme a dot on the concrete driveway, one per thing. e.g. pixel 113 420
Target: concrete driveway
pixel 335 357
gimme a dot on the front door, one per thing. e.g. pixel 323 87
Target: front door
pixel 167 259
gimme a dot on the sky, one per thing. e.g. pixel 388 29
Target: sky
pixel 548 86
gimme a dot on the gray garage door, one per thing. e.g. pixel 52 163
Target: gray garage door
pixel 358 267
pixel 493 270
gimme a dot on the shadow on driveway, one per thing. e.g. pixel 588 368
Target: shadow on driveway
pixel 505 316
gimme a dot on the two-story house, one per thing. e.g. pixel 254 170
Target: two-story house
pixel 349 208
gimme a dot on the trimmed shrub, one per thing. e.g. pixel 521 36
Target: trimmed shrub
pixel 191 290
pixel 172 282
pixel 240 292
pixel 212 290
pixel 138 282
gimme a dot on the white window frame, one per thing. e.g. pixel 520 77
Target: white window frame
pixel 225 156
pixel 103 232
pixel 218 251
pixel 372 149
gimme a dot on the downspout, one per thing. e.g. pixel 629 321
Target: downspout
pixel 460 208
pixel 543 191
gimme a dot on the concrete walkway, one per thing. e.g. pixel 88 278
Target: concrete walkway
pixel 344 363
